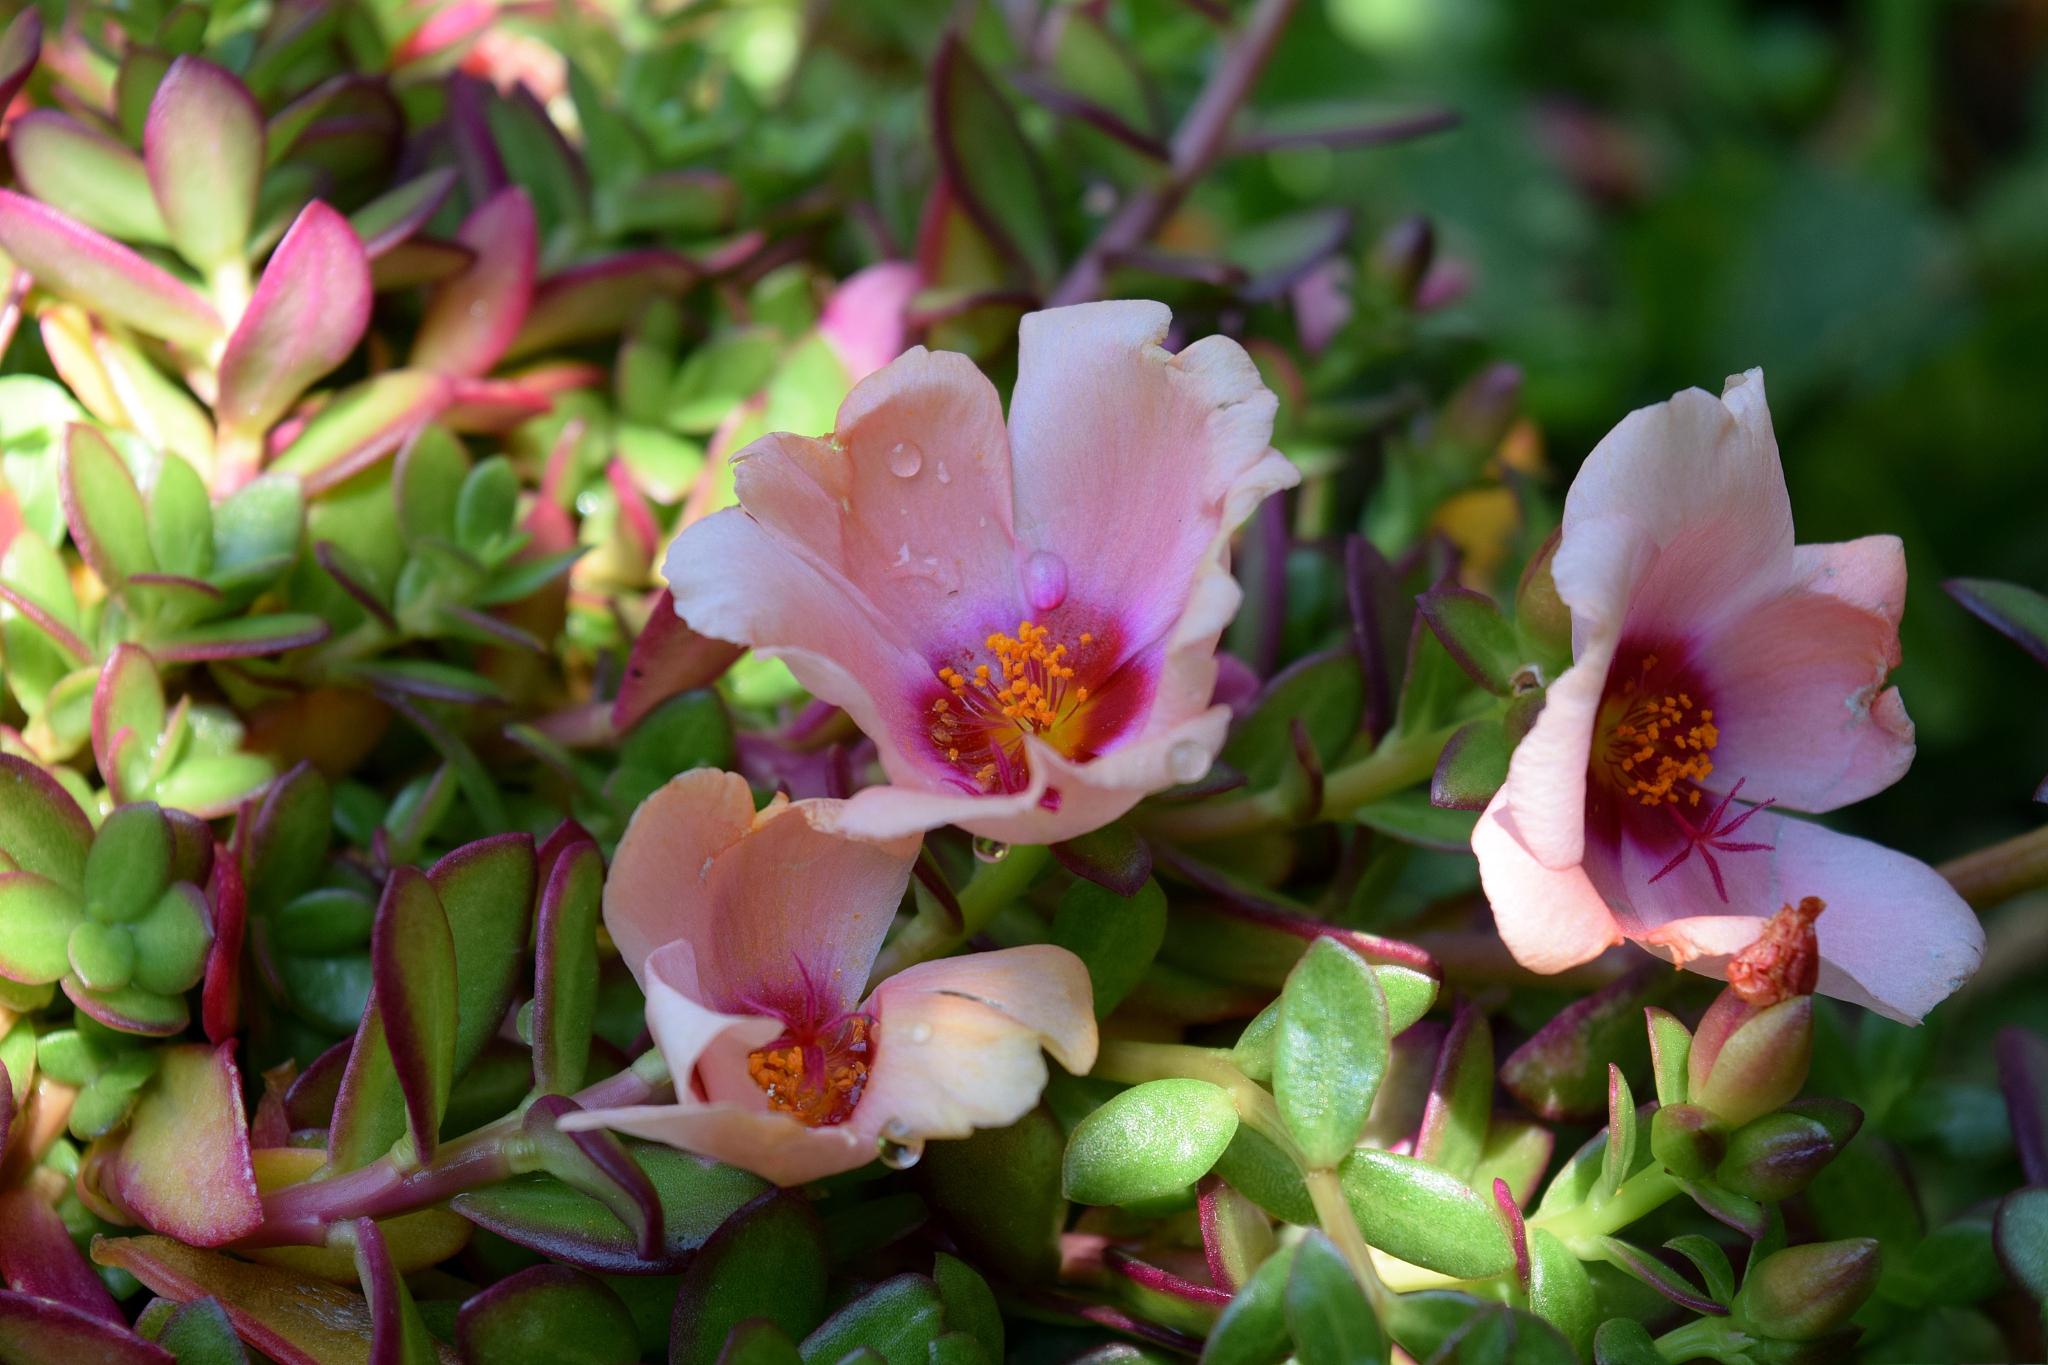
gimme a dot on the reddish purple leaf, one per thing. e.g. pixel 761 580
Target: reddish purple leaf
pixel 37 1255
pixel 566 967
pixel 1511 1219
pixel 70 259
pixel 397 215
pixel 204 147
pixel 473 317
pixel 412 962
pixel 600 297
pixel 34 1328
pixel 220 999
pixel 308 312
pixel 1160 1280
pixel 309 1102
pixel 2023 1076
pixel 668 658
pixel 597 1163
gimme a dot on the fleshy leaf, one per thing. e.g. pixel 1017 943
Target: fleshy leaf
pixel 1115 936
pixel 204 146
pixel 2020 614
pixel 1460 1108
pixel 1331 1052
pixel 988 164
pixel 1619 1158
pixel 548 1312
pixel 42 830
pixel 397 1336
pixel 1561 1072
pixel 412 954
pixel 362 425
pixel 1425 1216
pixel 598 298
pixel 70 259
pixel 566 967
pixel 668 659
pixel 1327 1314
pixel 104 508
pixel 37 917
pixel 82 172
pixel 767 1261
pixel 598 1164
pixel 305 318
pixel 292 1319
pixel 127 719
pixel 396 215
pixel 37 1255
pixel 33 1328
pixel 897 1320
pixel 1670 1045
pixel 473 317
pixel 486 890
pixel 183 1168
pixel 1471 627
pixel 1150 1143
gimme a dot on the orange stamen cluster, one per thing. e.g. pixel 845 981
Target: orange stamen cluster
pixel 1659 743
pixel 1028 690
pixel 818 1082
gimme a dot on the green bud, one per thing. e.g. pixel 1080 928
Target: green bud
pixel 1774 1157
pixel 1805 1292
pixel 1148 1144
pixel 130 863
pixel 1687 1140
pixel 102 955
pixel 1746 1062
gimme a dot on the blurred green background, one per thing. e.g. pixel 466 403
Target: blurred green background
pixel 1854 196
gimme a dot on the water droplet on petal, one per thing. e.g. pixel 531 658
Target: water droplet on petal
pixel 1045 580
pixel 897 1149
pixel 1187 761
pixel 990 850
pixel 920 1033
pixel 944 477
pixel 905 459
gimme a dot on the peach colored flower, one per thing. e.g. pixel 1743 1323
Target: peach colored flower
pixel 1023 618
pixel 753 936
pixel 1721 675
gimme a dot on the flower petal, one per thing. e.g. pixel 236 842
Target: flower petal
pixel 1895 938
pixel 656 891
pixel 773 1146
pixel 960 1040
pixel 1801 703
pixel 1130 459
pixel 863 320
pixel 1700 481
pixel 1550 919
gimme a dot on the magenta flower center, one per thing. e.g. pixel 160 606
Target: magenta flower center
pixel 1026 684
pixel 816 1072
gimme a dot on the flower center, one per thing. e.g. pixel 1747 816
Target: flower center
pixel 816 1074
pixel 1654 743
pixel 1028 687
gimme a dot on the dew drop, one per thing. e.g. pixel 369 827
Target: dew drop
pixel 1187 761
pixel 990 850
pixel 1045 580
pixel 920 1033
pixel 897 1149
pixel 944 477
pixel 905 459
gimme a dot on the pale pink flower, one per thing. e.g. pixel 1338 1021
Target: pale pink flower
pixel 1023 618
pixel 1721 676
pixel 753 936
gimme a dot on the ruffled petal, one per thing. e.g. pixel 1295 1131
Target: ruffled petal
pixel 1895 938
pixel 656 893
pixel 1550 919
pixel 1130 459
pixel 1801 703
pixel 960 1041
pixel 1700 481
pixel 799 911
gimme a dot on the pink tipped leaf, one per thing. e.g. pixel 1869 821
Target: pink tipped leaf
pixel 397 1336
pixel 91 269
pixel 396 215
pixel 473 318
pixel 127 718
pixel 203 145
pixel 668 657
pixel 20 44
pixel 600 297
pixel 363 425
pixel 220 997
pixel 183 1169
pixel 566 968
pixel 486 891
pixel 34 1328
pixel 308 313
pixel 37 1255
pixel 42 830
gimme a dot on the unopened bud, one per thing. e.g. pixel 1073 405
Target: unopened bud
pixel 1479 414
pixel 1774 1157
pixel 1784 961
pixel 1541 617
pixel 1805 1292
pixel 1687 1140
pixel 1402 255
pixel 1753 1061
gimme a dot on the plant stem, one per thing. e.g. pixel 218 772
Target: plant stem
pixel 1579 1227
pixel 993 887
pixel 1399 762
pixel 1196 144
pixel 2002 871
pixel 301 1215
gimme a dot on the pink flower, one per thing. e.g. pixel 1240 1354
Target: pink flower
pixel 1721 676
pixel 1024 617
pixel 863 321
pixel 753 936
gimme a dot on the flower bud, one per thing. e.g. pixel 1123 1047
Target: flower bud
pixel 1480 413
pixel 1402 255
pixel 1760 1061
pixel 1687 1140
pixel 1774 1157
pixel 1805 1292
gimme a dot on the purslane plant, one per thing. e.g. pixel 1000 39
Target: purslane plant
pixel 487 875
